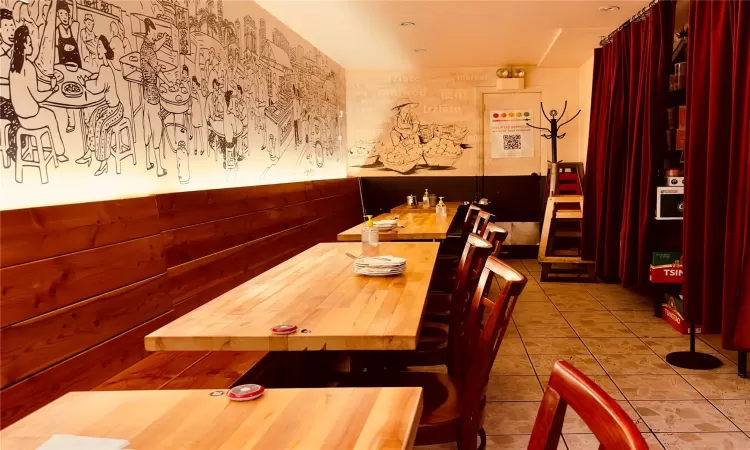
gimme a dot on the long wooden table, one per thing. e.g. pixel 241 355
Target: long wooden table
pixel 337 418
pixel 414 227
pixel 317 291
pixel 404 208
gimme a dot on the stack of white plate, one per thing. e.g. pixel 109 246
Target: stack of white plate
pixel 380 266
pixel 385 225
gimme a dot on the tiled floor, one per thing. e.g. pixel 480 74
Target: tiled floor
pixel 611 335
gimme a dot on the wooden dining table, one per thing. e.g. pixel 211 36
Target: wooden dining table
pixel 318 291
pixel 404 208
pixel 413 226
pixel 328 418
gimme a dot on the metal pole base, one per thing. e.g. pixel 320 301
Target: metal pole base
pixel 693 360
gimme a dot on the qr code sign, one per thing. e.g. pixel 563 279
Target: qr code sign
pixel 512 141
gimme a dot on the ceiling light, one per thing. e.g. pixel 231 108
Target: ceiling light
pixel 609 8
pixel 407 24
pixel 420 50
pixel 503 73
pixel 518 72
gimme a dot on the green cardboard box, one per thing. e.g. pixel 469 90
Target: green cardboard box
pixel 665 258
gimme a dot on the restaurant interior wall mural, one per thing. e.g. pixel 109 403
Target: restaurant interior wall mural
pixel 112 99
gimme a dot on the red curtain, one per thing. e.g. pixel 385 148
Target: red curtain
pixel 717 171
pixel 631 77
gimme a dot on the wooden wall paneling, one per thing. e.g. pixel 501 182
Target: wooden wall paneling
pixel 191 278
pixel 79 373
pixel 153 372
pixel 38 233
pixel 29 346
pixel 181 209
pixel 205 375
pixel 41 286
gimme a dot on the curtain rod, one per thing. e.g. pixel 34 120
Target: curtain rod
pixel 640 15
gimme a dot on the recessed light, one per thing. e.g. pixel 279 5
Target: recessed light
pixel 420 50
pixel 407 24
pixel 609 8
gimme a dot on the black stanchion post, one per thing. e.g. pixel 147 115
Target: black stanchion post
pixel 692 359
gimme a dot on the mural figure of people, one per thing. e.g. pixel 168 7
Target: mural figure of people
pixel 116 44
pixel 214 113
pixel 230 132
pixel 26 96
pixel 105 116
pixel 296 115
pixel 22 15
pixel 7 113
pixel 240 112
pixel 196 118
pixel 406 123
pixel 67 46
pixel 88 44
pixel 151 72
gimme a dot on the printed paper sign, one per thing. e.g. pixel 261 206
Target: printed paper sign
pixel 510 136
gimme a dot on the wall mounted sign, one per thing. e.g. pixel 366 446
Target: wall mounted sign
pixel 510 137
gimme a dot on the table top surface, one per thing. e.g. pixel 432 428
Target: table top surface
pixel 87 99
pixel 415 226
pixel 404 208
pixel 318 291
pixel 332 418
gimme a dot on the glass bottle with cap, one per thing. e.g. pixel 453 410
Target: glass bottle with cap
pixel 369 238
pixel 441 209
pixel 426 200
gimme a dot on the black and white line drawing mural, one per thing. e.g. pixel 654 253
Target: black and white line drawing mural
pixel 412 146
pixel 174 87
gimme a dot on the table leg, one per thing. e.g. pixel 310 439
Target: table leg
pixel 83 132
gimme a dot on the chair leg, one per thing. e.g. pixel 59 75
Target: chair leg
pixel 482 439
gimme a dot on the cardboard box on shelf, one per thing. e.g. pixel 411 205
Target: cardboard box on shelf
pixel 682 117
pixel 675 319
pixel 666 267
pixel 679 142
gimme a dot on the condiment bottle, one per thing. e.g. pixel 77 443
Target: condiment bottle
pixel 369 238
pixel 426 200
pixel 441 209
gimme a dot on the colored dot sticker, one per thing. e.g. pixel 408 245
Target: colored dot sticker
pixel 503 115
pixel 496 115
pixel 526 114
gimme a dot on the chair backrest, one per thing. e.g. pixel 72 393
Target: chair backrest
pixel 481 221
pixel 496 235
pixel 606 419
pixel 481 338
pixel 470 265
pixel 471 213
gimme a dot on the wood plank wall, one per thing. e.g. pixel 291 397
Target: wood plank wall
pixel 83 284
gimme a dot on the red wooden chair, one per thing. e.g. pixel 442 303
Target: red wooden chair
pixel 454 404
pixel 497 235
pixel 481 221
pixel 469 220
pixel 611 425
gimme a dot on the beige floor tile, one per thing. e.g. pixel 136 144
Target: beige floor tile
pixel 590 442
pixel 603 381
pixel 578 305
pixel 653 329
pixel 511 346
pixel 617 346
pixel 510 442
pixel 662 346
pixel 637 316
pixel 634 365
pixel 704 441
pixel 727 367
pixel 533 297
pixel 655 387
pixel 714 340
pixel 738 411
pixel 574 423
pixel 536 311
pixel 626 305
pixel 514 388
pixel 692 416
pixel 556 346
pixel 585 363
pixel 605 329
pixel 721 386
pixel 588 317
pixel 512 332
pixel 510 417
pixel 546 330
pixel 512 365
pixel 561 293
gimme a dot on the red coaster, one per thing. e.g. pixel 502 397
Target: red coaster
pixel 284 329
pixel 245 392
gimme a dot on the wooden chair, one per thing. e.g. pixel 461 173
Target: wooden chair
pixel 497 235
pixel 610 424
pixel 469 221
pixel 454 404
pixel 481 221
pixel 444 314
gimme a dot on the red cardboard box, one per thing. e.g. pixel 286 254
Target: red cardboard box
pixel 675 319
pixel 665 274
pixel 679 143
pixel 682 117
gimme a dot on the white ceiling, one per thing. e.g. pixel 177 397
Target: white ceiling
pixel 366 34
